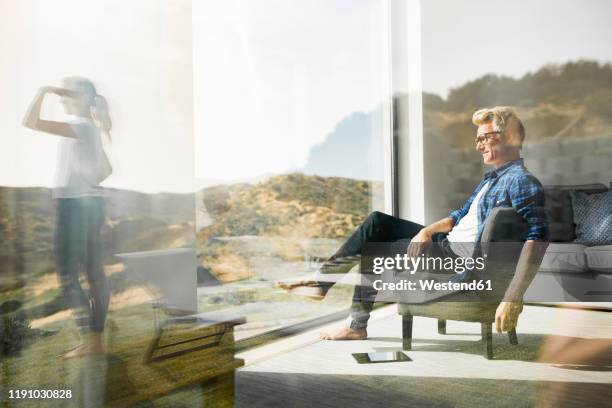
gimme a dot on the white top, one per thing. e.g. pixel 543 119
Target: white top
pixel 79 161
pixel 463 235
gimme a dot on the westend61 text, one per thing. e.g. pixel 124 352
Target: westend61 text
pixel 428 284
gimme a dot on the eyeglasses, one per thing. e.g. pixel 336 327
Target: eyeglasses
pixel 484 137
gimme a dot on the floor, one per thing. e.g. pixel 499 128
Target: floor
pixel 564 358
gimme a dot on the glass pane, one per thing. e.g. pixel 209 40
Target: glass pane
pixel 64 215
pixel 551 61
pixel 289 145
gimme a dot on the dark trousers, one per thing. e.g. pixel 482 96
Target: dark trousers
pixel 378 227
pixel 78 246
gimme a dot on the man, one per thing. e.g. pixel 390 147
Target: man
pixel 499 139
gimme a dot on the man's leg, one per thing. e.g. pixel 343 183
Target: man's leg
pixel 363 302
pixel 377 227
pixel 355 326
pixel 364 296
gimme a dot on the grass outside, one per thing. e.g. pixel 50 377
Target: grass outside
pixel 129 329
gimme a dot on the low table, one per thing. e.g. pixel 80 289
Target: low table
pixel 186 351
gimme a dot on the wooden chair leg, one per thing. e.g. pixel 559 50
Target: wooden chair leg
pixel 512 337
pixel 486 330
pixel 441 326
pixel 406 332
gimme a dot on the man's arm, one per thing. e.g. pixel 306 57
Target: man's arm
pixel 526 268
pixel 528 264
pixel 443 225
pixel 528 200
pixel 421 241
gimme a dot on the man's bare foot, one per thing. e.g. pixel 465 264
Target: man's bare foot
pixel 345 333
pixel 308 288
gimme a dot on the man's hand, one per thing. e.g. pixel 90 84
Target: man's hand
pixel 506 315
pixel 419 243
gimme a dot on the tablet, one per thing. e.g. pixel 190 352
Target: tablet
pixel 382 357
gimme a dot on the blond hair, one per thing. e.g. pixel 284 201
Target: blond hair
pixel 503 118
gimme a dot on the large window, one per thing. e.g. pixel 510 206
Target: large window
pixel 256 133
pixel 292 120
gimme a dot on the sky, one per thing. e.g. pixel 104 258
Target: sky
pixel 463 40
pixel 227 90
pixel 274 77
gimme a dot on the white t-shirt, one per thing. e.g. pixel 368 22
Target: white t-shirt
pixel 79 161
pixel 463 235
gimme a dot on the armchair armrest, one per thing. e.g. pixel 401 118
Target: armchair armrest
pixel 504 225
pixel 501 243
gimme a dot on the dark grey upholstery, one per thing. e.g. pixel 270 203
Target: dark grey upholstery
pixel 559 209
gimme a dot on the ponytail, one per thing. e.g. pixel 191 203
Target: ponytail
pixel 100 111
pixel 97 103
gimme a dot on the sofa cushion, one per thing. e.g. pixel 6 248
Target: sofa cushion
pixel 599 258
pixel 593 217
pixel 564 258
pixel 559 209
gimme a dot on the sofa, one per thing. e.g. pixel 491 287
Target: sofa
pixel 577 266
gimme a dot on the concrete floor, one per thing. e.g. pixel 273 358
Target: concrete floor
pixel 564 358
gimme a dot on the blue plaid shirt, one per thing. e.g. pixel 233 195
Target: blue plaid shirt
pixel 511 185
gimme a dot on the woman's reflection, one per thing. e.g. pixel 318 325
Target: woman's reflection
pixel 82 165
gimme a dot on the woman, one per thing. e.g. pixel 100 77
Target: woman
pixel 81 167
